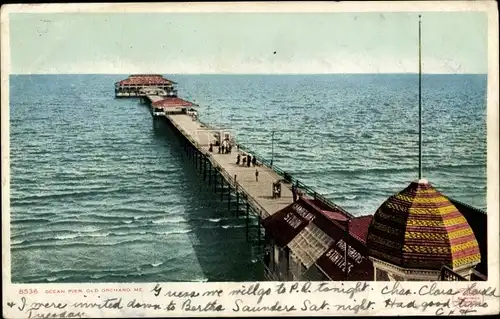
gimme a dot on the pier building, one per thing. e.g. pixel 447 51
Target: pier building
pixel 417 234
pixel 144 84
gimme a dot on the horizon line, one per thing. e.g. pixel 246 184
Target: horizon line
pixel 190 73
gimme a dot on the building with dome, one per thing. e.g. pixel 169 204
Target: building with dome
pixel 417 233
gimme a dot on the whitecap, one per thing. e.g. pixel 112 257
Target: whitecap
pixel 171 220
pixel 120 234
pixel 16 242
pixel 232 226
pixel 350 196
pixel 175 232
pixel 67 236
pixel 98 235
pixel 156 264
pixel 89 229
pixel 214 220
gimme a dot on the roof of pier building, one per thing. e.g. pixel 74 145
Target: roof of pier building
pixel 315 233
pixel 173 102
pixel 419 228
pixel 145 75
pixel 145 79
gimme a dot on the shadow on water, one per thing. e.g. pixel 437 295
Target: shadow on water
pixel 218 237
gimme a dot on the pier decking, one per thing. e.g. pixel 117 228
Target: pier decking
pixel 260 192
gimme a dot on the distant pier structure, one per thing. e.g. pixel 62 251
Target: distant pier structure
pixel 145 84
pixel 297 234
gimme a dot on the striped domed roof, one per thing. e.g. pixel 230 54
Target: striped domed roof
pixel 419 228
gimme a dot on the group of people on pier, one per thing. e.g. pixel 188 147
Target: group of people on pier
pixel 249 160
pixel 224 147
pixel 246 160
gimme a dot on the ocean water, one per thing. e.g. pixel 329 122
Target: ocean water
pixel 100 193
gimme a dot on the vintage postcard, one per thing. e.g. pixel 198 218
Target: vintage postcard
pixel 250 159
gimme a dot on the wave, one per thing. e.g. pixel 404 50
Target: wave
pixel 63 195
pixel 214 220
pixel 170 220
pixel 77 235
pixel 350 197
pixel 68 236
pixel 77 244
pixel 86 234
pixel 400 169
pixel 233 226
pixel 175 232
pixel 15 220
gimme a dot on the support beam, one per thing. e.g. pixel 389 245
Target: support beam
pixel 209 174
pixel 248 207
pixel 228 197
pixel 258 231
pixel 237 202
pixel 215 181
pixel 221 188
pixel 205 168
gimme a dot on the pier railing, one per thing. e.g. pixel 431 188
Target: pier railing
pixel 235 185
pixel 292 180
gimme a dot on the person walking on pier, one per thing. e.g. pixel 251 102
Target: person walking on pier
pixel 211 148
pixel 256 175
pixel 238 159
pixel 254 161
pixel 249 160
pixel 223 147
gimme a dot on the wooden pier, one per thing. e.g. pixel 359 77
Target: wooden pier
pixel 241 178
pixel 247 197
pixel 303 238
pixel 237 184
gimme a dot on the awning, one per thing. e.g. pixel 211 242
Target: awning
pixel 318 236
pixel 284 225
pixel 359 267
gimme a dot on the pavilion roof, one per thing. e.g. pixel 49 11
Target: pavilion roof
pixel 420 228
pixel 172 102
pixel 146 79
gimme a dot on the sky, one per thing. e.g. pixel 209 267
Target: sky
pixel 245 43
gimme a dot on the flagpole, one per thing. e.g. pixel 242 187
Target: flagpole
pixel 419 96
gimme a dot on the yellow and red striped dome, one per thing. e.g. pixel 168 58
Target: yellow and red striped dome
pixel 420 228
